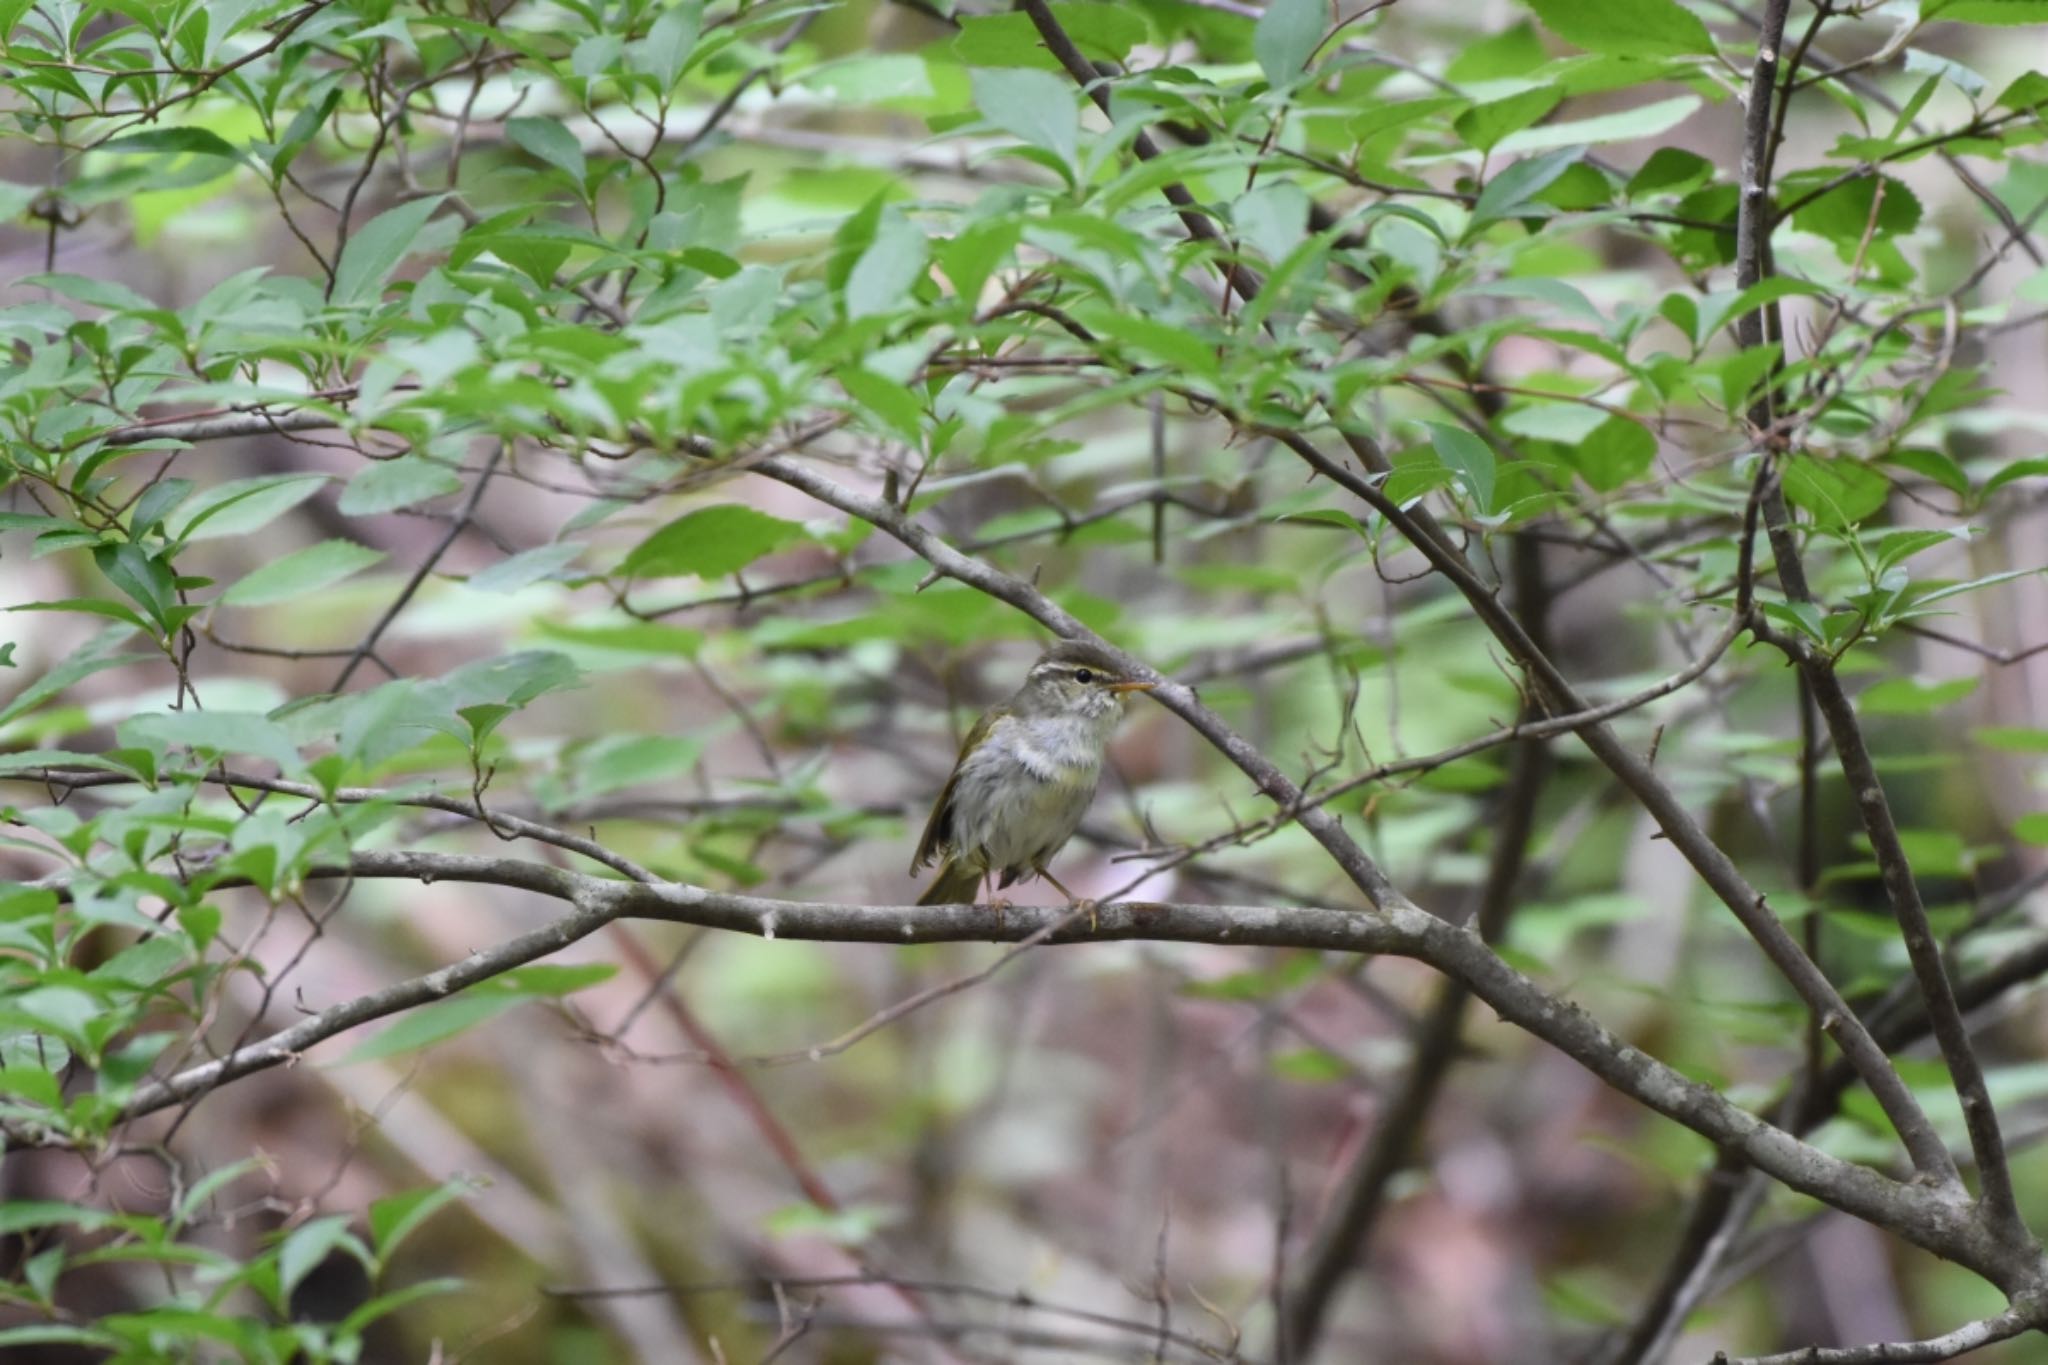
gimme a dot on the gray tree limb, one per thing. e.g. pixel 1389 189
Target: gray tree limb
pixel 1928 1216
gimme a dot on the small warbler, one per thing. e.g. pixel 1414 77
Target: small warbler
pixel 1025 776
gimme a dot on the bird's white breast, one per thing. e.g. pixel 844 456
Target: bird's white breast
pixel 1025 788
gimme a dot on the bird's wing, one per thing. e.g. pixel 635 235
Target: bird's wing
pixel 938 829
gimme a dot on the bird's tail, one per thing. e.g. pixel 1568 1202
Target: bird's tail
pixel 958 883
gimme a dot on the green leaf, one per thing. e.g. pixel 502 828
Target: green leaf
pixel 483 719
pixel 20 1215
pixel 384 1305
pixel 1901 544
pixel 1155 341
pixel 1943 592
pixel 387 485
pixel 851 1225
pixel 2001 12
pixel 620 761
pixel 1911 697
pixel 1743 373
pixel 1845 213
pixel 665 52
pixel 1330 516
pixel 1103 33
pixel 301 572
pixel 396 1217
pixel 1719 308
pixel 1627 125
pixel 1272 218
pixel 1704 246
pixel 215 732
pixel 886 272
pixel 444 1019
pixel 1032 105
pixel 2032 828
pixel 1626 28
pixel 1520 183
pixel 1838 492
pixel 1484 125
pixel 1286 36
pixel 202 1190
pixel 1384 117
pixel 1514 51
pixel 1468 457
pixel 710 542
pixel 1614 454
pixel 2033 467
pixel 975 253
pixel 1670 170
pixel 146 579
pixel 240 506
pixel 375 249
pixel 547 140
pixel 2018 739
pixel 2028 91
pixel 528 567
pixel 155 504
pixel 515 678
pixel 1311 1064
pixel 17 199
pixel 898 407
pixel 1946 68
pixel 1803 617
pixel 98 653
pixel 175 141
pixel 89 606
pixel 57 1334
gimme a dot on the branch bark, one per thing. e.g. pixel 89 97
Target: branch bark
pixel 1948 1346
pixel 1754 222
pixel 1926 1216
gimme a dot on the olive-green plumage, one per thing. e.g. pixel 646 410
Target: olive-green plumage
pixel 1025 775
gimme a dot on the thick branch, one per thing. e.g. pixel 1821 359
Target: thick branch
pixel 1902 889
pixel 1752 263
pixel 225 426
pixel 1927 1216
pixel 1948 1346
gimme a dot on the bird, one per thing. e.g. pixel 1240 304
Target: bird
pixel 1025 776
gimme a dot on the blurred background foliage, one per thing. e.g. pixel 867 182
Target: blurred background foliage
pixel 403 398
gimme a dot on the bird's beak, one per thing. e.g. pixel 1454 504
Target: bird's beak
pixel 1132 687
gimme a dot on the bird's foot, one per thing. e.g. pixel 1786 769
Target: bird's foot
pixel 1001 905
pixel 1094 922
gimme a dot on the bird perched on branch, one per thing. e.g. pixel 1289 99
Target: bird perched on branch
pixel 1025 776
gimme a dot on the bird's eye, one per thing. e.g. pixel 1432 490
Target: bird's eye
pixel 1084 675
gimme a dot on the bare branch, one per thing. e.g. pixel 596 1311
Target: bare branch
pixel 1929 1216
pixel 1754 221
pixel 1947 1346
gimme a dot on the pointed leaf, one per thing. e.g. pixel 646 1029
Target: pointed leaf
pixel 375 249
